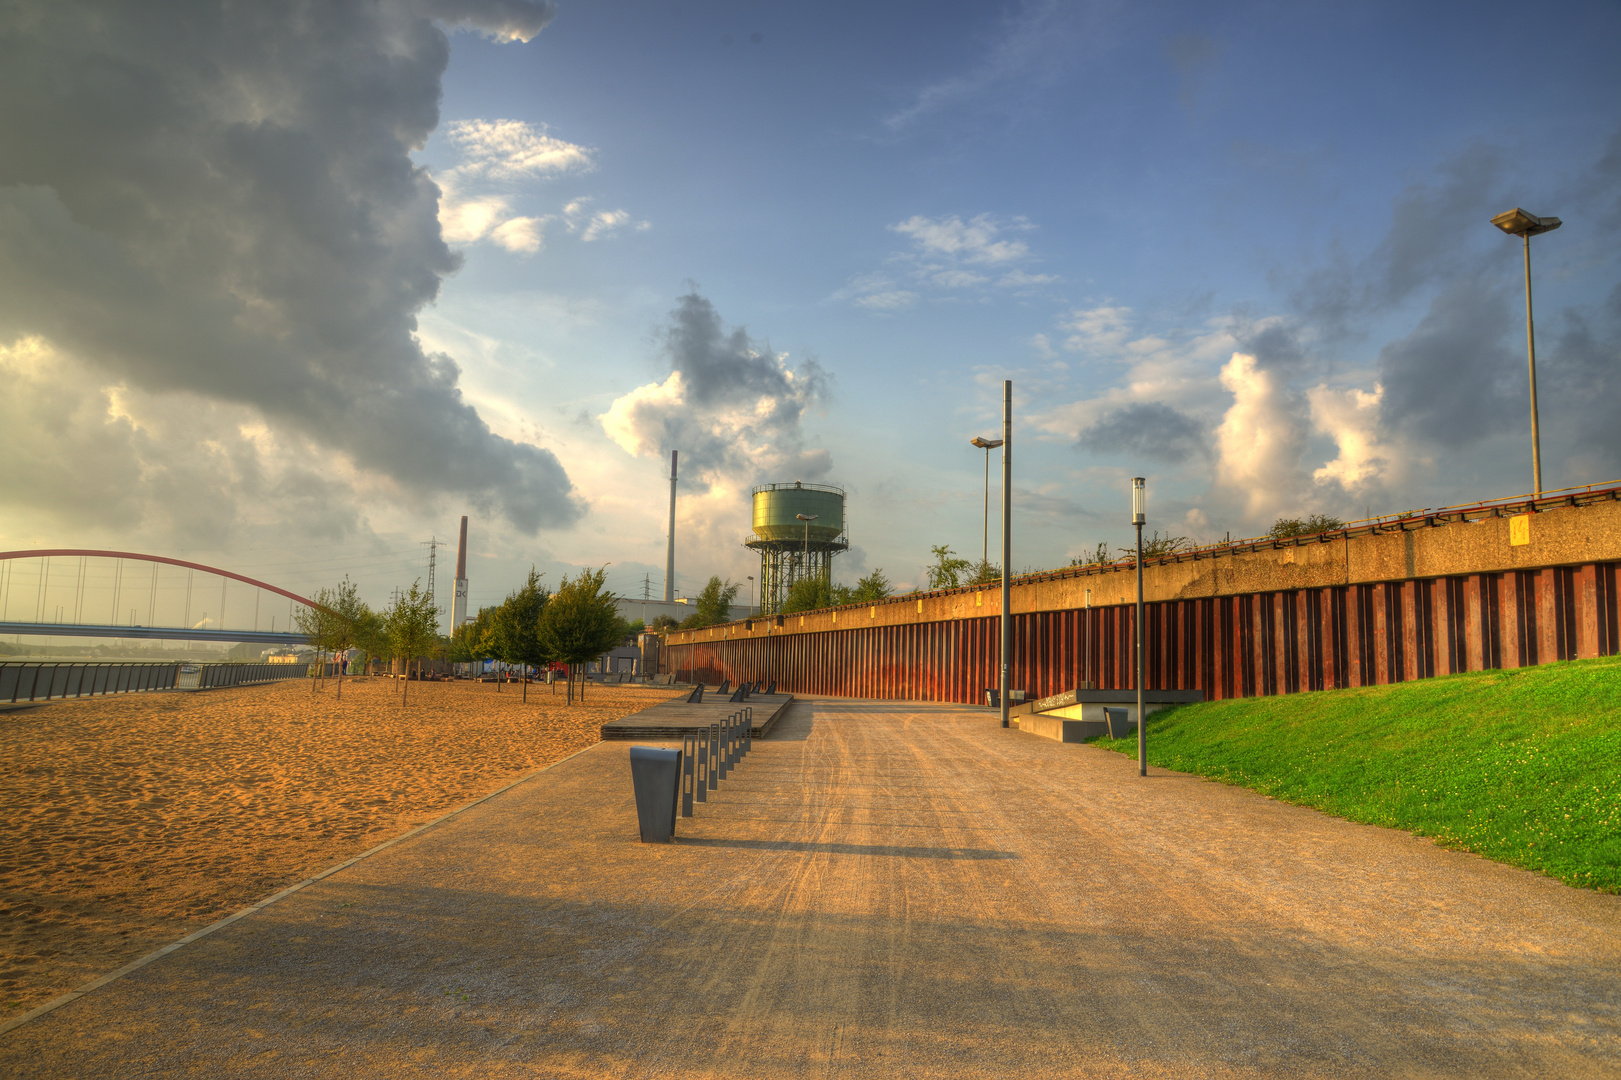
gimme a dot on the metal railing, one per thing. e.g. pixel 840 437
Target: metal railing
pixel 706 757
pixel 216 676
pixel 53 681
pixel 50 681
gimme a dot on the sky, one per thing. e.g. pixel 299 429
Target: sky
pixel 287 288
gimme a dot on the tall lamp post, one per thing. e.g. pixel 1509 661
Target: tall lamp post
pixel 1517 222
pixel 1007 542
pixel 986 445
pixel 807 519
pixel 1139 514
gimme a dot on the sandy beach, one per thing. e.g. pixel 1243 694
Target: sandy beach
pixel 132 821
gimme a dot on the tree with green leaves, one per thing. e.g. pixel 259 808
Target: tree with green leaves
pixel 349 612
pixel 663 624
pixel 413 629
pixel 581 621
pixel 516 625
pixel 320 625
pixel 714 604
pixel 807 594
pixel 948 569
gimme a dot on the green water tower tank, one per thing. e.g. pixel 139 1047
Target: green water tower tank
pixel 777 506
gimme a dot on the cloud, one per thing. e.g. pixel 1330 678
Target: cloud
pixel 577 216
pixel 734 408
pixel 1261 439
pixel 499 20
pixel 977 240
pixel 948 256
pixel 237 217
pixel 1037 42
pixel 111 460
pixel 524 234
pixel 514 150
pixel 1146 429
pixel 1351 419
pixel 1101 329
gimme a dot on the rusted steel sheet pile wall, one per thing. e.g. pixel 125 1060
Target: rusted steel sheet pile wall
pixel 1487 587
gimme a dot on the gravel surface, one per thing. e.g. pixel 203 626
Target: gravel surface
pixel 881 890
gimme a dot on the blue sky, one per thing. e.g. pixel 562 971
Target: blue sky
pixel 1242 250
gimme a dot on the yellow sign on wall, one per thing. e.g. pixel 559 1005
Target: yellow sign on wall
pixel 1519 530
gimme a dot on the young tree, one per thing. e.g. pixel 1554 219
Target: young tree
pixel 413 628
pixel 872 588
pixel 349 612
pixel 581 621
pixel 516 625
pixel 1158 545
pixel 714 604
pixel 319 625
pixel 808 594
pixel 948 570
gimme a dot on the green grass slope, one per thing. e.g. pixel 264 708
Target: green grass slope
pixel 1520 766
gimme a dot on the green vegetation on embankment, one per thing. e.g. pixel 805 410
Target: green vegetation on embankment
pixel 1521 766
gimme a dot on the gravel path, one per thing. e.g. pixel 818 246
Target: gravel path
pixel 881 890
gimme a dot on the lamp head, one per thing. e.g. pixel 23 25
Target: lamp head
pixel 1517 222
pixel 985 444
pixel 807 517
pixel 1139 500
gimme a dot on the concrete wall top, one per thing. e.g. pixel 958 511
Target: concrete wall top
pixel 1488 540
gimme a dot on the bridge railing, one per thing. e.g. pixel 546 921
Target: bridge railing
pixel 48 681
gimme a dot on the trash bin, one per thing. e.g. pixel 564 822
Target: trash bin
pixel 655 775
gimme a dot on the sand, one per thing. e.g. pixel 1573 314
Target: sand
pixel 132 821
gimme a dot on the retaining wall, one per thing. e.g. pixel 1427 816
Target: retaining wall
pixel 1491 586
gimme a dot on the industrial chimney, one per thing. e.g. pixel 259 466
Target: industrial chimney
pixel 669 557
pixel 459 610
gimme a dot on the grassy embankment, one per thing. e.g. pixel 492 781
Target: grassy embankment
pixel 1521 766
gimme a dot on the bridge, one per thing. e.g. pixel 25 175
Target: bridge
pixel 81 592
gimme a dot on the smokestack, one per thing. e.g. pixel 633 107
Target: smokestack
pixel 459 609
pixel 669 558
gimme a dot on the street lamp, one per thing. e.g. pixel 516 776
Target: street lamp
pixel 1007 542
pixel 986 445
pixel 1139 514
pixel 807 519
pixel 1517 222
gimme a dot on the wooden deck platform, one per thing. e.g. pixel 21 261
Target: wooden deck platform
pixel 674 720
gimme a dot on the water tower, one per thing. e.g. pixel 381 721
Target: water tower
pixel 798 528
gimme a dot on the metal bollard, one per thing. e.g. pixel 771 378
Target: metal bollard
pixel 689 765
pixel 655 775
pixel 701 782
pixel 748 729
pixel 731 741
pixel 717 760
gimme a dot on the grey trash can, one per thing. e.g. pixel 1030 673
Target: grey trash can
pixel 655 775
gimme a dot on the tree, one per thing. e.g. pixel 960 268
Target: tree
pixel 714 604
pixel 1097 557
pixel 413 628
pixel 872 588
pixel 318 623
pixel 1158 545
pixel 663 624
pixel 807 594
pixel 948 570
pixel 516 625
pixel 581 621
pixel 349 611
pixel 371 635
pixel 1316 523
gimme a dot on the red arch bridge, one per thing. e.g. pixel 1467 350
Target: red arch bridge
pixel 80 592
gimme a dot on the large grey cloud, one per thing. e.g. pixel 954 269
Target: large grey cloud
pixel 218 199
pixel 730 405
pixel 1147 429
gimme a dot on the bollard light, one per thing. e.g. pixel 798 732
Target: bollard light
pixel 1139 500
